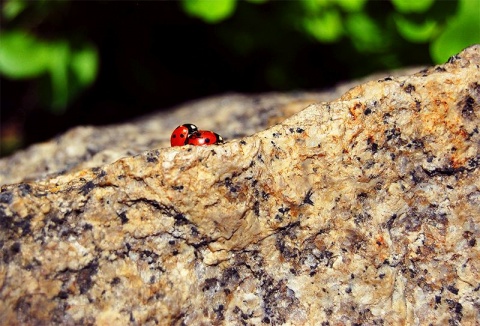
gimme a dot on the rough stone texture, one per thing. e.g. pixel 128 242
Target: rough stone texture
pixel 232 115
pixel 88 146
pixel 364 210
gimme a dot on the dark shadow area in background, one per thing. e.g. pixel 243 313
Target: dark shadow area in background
pixel 153 56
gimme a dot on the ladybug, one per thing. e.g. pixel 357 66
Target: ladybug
pixel 204 137
pixel 181 133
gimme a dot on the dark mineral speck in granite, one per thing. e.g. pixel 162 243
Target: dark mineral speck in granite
pixel 25 189
pixel 84 277
pixel 180 220
pixel 194 231
pixel 123 217
pixel 372 145
pixel 116 280
pixel 23 224
pixel 151 158
pixel 256 208
pixel 6 197
pixel 453 58
pixel 468 106
pixel 219 311
pixel 452 289
pixel 86 188
pixel 455 306
pixel 409 88
pixel 62 295
pixel 15 248
pixel 230 185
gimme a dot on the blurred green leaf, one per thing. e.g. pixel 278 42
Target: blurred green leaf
pixel 22 55
pixel 407 6
pixel 462 30
pixel 351 5
pixel 413 31
pixel 84 64
pixel 60 54
pixel 370 29
pixel 13 8
pixel 210 11
pixel 365 33
pixel 325 26
pixel 314 6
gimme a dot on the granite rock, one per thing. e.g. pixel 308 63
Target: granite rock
pixel 362 210
pixel 232 115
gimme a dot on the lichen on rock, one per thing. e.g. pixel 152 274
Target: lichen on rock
pixel 361 210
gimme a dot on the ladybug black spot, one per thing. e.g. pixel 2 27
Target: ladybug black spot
pixel 207 140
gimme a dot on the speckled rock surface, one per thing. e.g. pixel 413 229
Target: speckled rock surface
pixel 364 210
pixel 232 115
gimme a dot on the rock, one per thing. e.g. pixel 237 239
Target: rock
pixel 233 115
pixel 363 210
pixel 87 146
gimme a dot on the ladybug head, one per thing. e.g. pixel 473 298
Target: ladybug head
pixel 191 128
pixel 219 138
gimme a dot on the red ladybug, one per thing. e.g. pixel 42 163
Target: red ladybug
pixel 204 137
pixel 181 133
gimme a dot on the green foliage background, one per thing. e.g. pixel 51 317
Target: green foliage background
pixel 66 63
